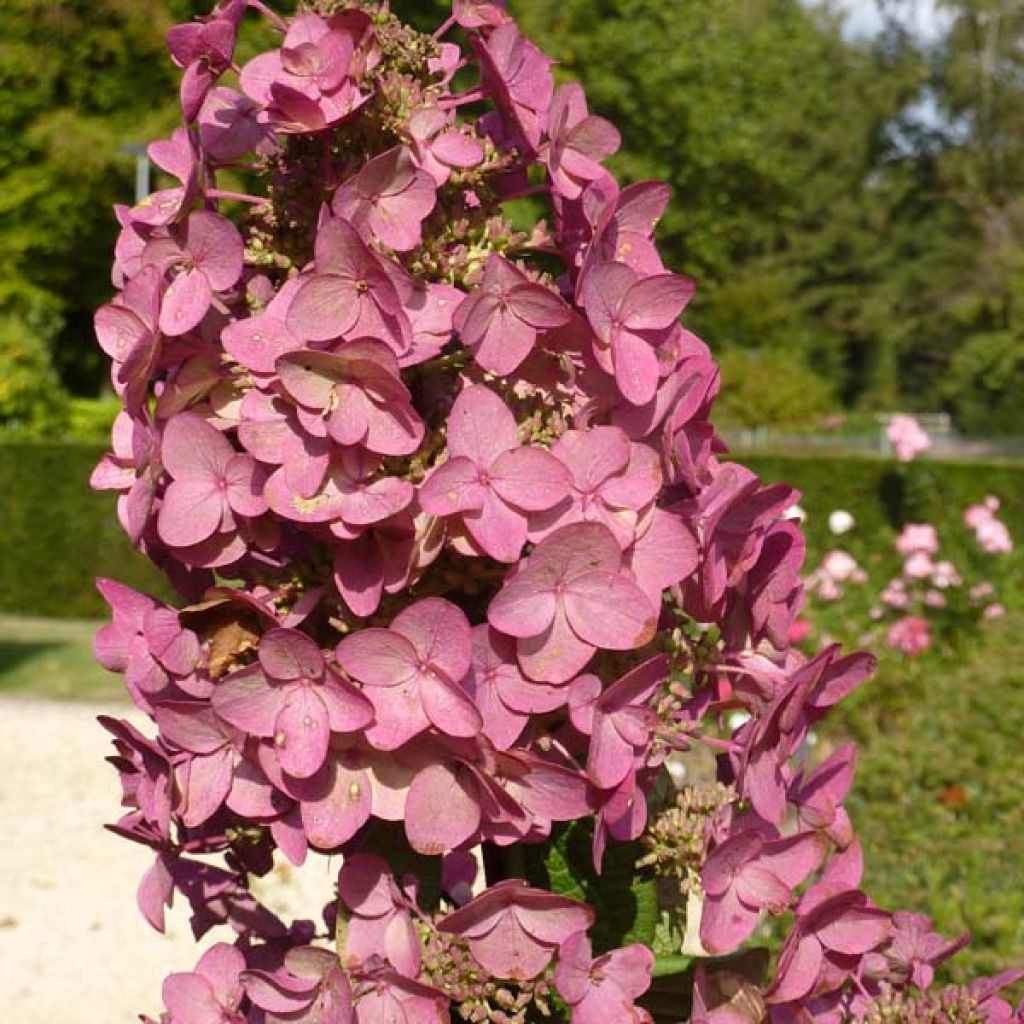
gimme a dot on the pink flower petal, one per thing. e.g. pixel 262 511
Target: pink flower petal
pixel 499 530
pixel 191 512
pixel 452 488
pixel 247 700
pixel 301 732
pixel 530 478
pixel 441 812
pixel 481 426
pixel 288 655
pixel 609 610
pixel 377 657
pixel 556 655
pixel 449 708
pixel 186 302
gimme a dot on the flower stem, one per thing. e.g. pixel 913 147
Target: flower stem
pixel 445 27
pixel 237 197
pixel 271 16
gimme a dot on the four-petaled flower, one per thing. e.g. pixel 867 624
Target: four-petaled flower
pixel 604 989
pixel 489 479
pixel 413 673
pixel 513 931
pixel 388 200
pixel 570 597
pixel 211 483
pixel 500 320
pixel 292 695
pixel 205 257
pixel 631 315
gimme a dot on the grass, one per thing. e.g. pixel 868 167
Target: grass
pixel 938 799
pixel 937 803
pixel 52 658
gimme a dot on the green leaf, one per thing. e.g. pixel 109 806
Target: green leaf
pixel 387 839
pixel 624 897
pixel 668 965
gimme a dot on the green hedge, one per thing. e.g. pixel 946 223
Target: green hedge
pixel 882 495
pixel 57 535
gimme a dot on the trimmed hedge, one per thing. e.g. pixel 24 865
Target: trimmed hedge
pixel 56 535
pixel 882 495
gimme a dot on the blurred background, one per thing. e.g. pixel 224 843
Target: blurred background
pixel 848 192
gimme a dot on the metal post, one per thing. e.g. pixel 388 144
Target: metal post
pixel 142 169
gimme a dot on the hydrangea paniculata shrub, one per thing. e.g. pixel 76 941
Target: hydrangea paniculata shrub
pixel 465 573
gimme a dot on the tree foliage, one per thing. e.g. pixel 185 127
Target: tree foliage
pixel 854 203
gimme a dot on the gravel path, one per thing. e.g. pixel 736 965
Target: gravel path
pixel 73 946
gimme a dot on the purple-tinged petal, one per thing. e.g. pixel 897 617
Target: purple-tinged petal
pixel 609 610
pixel 186 302
pixel 530 478
pixel 441 812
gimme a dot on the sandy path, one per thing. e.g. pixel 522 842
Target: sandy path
pixel 72 943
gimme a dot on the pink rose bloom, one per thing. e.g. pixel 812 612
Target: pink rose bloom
pixel 799 631
pixel 917 537
pixel 910 635
pixel 895 595
pixel 994 538
pixel 907 437
pixel 839 565
pixel 944 575
pixel 993 611
pixel 934 599
pixel 918 566
pixel 982 590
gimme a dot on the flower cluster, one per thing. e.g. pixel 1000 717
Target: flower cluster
pixel 907 437
pixel 461 556
pixel 930 596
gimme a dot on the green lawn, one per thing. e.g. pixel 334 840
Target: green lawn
pixel 53 658
pixel 938 801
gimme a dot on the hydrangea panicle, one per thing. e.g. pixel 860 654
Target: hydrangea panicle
pixel 466 573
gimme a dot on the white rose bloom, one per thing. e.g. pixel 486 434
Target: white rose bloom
pixel 840 522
